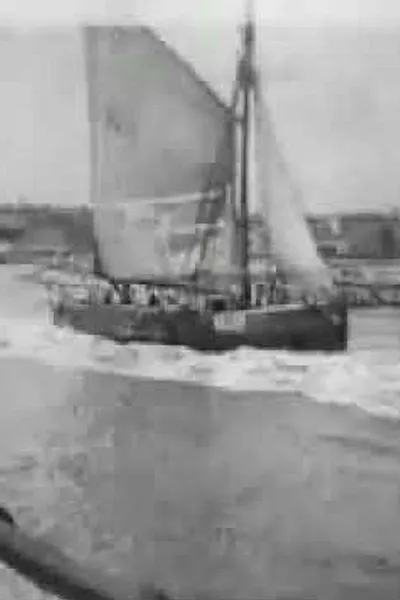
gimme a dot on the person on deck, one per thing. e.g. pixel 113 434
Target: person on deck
pixel 91 288
pixel 133 294
pixel 272 290
pixel 153 298
pixel 172 297
pixel 115 294
pixel 124 291
pixel 108 293
pixel 101 291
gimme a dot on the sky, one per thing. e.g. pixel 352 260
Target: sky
pixel 282 11
pixel 329 67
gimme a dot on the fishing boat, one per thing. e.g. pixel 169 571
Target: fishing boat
pixel 183 187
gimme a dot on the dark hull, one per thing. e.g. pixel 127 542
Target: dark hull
pixel 296 327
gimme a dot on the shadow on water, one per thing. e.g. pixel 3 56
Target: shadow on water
pixel 199 491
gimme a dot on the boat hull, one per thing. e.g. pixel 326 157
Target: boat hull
pixel 297 326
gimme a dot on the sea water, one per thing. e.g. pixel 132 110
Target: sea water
pixel 254 474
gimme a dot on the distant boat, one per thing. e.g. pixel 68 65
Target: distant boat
pixel 177 177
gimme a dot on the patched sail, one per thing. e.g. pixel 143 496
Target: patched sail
pixel 161 154
pixel 218 266
pixel 291 242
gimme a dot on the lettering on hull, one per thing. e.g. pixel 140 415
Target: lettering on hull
pixel 234 321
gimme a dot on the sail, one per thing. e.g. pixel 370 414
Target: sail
pixel 218 267
pixel 291 242
pixel 160 147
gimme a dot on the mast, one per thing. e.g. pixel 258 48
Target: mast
pixel 94 153
pixel 246 82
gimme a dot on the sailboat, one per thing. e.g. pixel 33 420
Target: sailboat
pixel 183 186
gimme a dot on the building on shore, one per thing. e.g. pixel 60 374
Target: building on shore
pixel 340 237
pixel 364 236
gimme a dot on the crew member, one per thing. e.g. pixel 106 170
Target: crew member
pixel 125 294
pixel 153 298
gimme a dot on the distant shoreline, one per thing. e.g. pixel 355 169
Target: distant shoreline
pixel 347 237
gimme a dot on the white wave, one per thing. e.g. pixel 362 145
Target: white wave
pixel 367 376
pixel 367 379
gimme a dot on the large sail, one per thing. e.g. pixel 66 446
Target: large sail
pixel 291 242
pixel 218 267
pixel 160 146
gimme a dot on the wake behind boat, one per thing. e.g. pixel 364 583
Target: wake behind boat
pixel 178 180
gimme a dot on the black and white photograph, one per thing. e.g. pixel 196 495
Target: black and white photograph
pixel 200 300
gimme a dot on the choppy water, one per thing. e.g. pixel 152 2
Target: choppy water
pixel 252 475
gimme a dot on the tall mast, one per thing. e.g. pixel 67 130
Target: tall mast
pixel 246 83
pixel 94 151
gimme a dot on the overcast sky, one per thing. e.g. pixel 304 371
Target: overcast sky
pixel 284 11
pixel 332 80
